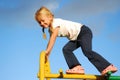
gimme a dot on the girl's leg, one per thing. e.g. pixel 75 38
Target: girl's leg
pixel 85 41
pixel 69 55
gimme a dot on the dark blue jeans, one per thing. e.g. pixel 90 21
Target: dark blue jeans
pixel 84 41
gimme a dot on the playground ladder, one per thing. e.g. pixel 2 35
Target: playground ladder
pixel 45 73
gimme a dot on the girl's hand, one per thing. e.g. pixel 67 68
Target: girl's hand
pixel 46 56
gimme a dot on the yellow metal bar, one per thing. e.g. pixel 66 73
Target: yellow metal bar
pixel 75 76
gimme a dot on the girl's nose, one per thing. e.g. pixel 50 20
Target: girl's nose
pixel 42 24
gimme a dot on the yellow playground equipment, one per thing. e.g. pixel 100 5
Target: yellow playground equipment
pixel 45 73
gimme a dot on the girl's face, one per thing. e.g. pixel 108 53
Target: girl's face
pixel 44 21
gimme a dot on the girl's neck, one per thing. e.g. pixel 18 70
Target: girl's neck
pixel 51 27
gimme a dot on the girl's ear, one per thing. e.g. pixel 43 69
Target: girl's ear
pixel 51 17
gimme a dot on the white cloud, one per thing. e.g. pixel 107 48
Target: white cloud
pixel 52 5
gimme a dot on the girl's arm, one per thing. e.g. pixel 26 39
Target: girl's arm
pixel 52 41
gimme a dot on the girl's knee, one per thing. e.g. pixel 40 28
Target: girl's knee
pixel 66 49
pixel 87 53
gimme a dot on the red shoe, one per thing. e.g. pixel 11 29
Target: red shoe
pixel 76 70
pixel 111 68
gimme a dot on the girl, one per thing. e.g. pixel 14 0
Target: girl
pixel 79 36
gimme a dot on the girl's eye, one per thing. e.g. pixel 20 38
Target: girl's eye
pixel 42 20
pixel 39 22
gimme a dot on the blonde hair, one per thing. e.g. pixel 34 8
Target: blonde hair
pixel 43 11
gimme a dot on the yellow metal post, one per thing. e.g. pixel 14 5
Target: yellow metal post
pixel 44 67
pixel 41 73
pixel 47 68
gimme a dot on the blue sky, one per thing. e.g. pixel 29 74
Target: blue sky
pixel 21 38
